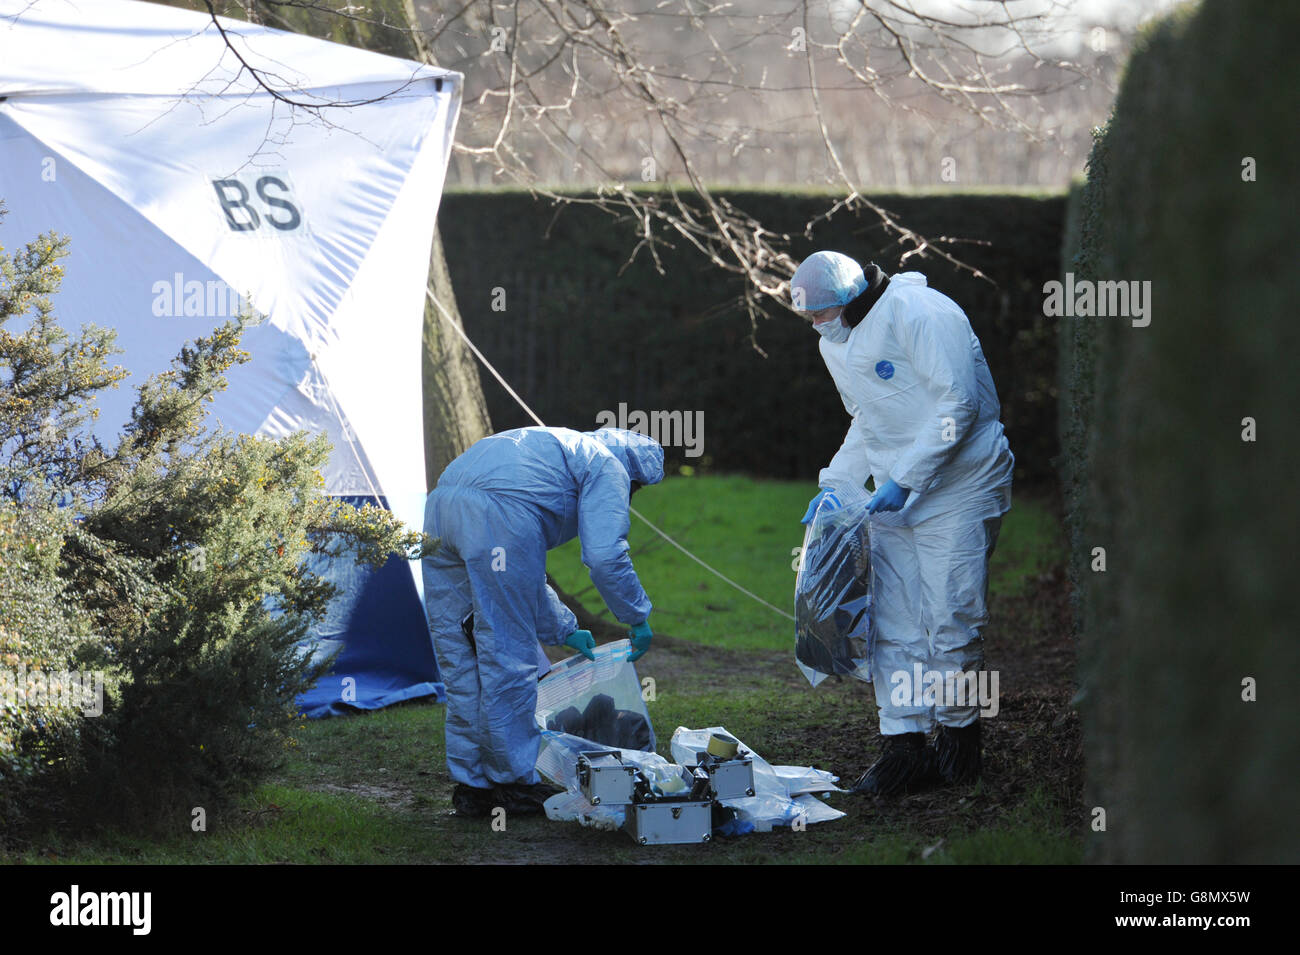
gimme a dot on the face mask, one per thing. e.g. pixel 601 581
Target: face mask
pixel 834 331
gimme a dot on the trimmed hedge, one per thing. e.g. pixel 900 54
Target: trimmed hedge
pixel 1198 523
pixel 582 331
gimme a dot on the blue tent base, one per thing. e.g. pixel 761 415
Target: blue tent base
pixel 378 619
pixel 327 698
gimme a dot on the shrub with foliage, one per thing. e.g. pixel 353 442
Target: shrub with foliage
pixel 172 559
pixel 39 632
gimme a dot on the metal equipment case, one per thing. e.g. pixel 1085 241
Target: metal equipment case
pixel 729 778
pixel 605 779
pixel 670 821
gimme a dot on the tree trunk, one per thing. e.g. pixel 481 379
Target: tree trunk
pixel 455 412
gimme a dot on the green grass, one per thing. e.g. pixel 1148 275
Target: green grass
pixel 739 525
pixel 1030 543
pixel 749 530
pixel 279 825
pixel 374 788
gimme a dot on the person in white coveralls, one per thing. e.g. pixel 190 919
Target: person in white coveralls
pixel 926 430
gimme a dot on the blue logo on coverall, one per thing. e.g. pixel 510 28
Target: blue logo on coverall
pixel 885 370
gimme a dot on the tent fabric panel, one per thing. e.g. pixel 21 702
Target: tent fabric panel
pixel 379 619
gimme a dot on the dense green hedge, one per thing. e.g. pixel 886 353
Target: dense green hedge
pixel 580 333
pixel 1198 524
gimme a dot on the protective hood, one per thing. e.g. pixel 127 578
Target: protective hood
pixel 641 456
pixel 825 280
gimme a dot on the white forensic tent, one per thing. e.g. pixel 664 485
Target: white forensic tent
pixel 185 186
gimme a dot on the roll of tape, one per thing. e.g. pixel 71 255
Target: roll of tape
pixel 723 746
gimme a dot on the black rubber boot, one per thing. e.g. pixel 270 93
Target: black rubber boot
pixel 472 802
pixel 958 753
pixel 523 799
pixel 907 765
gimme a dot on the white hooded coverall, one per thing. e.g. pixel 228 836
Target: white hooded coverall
pixel 925 413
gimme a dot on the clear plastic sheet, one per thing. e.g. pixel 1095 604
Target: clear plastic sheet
pixel 832 594
pixel 585 705
pixel 572 807
pixel 780 793
pixel 558 761
pixel 581 694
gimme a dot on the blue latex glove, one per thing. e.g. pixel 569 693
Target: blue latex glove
pixel 832 502
pixel 583 642
pixel 640 635
pixel 890 497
